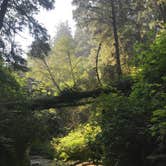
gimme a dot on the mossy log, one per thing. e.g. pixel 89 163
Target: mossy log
pixel 63 100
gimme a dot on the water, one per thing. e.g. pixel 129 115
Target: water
pixel 39 161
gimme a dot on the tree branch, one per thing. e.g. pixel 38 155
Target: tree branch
pixel 3 10
pixel 97 61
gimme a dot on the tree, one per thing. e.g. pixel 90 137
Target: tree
pixel 120 22
pixel 14 17
pixel 133 125
pixel 161 5
pixel 98 12
pixel 40 49
pixel 62 57
pixel 18 126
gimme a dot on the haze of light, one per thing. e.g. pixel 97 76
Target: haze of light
pixel 50 20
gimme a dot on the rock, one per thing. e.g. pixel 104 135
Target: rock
pixel 35 163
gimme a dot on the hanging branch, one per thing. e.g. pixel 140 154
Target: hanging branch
pixel 50 74
pixel 40 49
pixel 71 68
pixel 97 62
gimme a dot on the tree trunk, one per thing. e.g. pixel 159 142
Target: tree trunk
pixel 162 8
pixel 22 156
pixel 97 61
pixel 117 52
pixel 51 75
pixel 3 10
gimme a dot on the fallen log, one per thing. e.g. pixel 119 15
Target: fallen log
pixel 64 100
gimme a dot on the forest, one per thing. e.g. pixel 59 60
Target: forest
pixel 95 97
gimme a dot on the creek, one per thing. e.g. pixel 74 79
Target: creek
pixel 40 161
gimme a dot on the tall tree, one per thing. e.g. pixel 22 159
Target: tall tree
pixel 116 38
pixel 15 15
pixel 124 21
pixel 97 13
pixel 63 51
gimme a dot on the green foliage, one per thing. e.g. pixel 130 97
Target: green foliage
pixel 67 69
pixel 76 145
pixel 126 126
pixel 21 16
pixel 9 86
pixel 159 123
pixel 125 120
pixel 123 128
pixel 40 48
pixel 154 68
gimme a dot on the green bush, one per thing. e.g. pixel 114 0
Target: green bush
pixel 75 146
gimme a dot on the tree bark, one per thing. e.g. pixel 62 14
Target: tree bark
pixel 116 39
pixel 97 62
pixel 162 8
pixel 3 10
